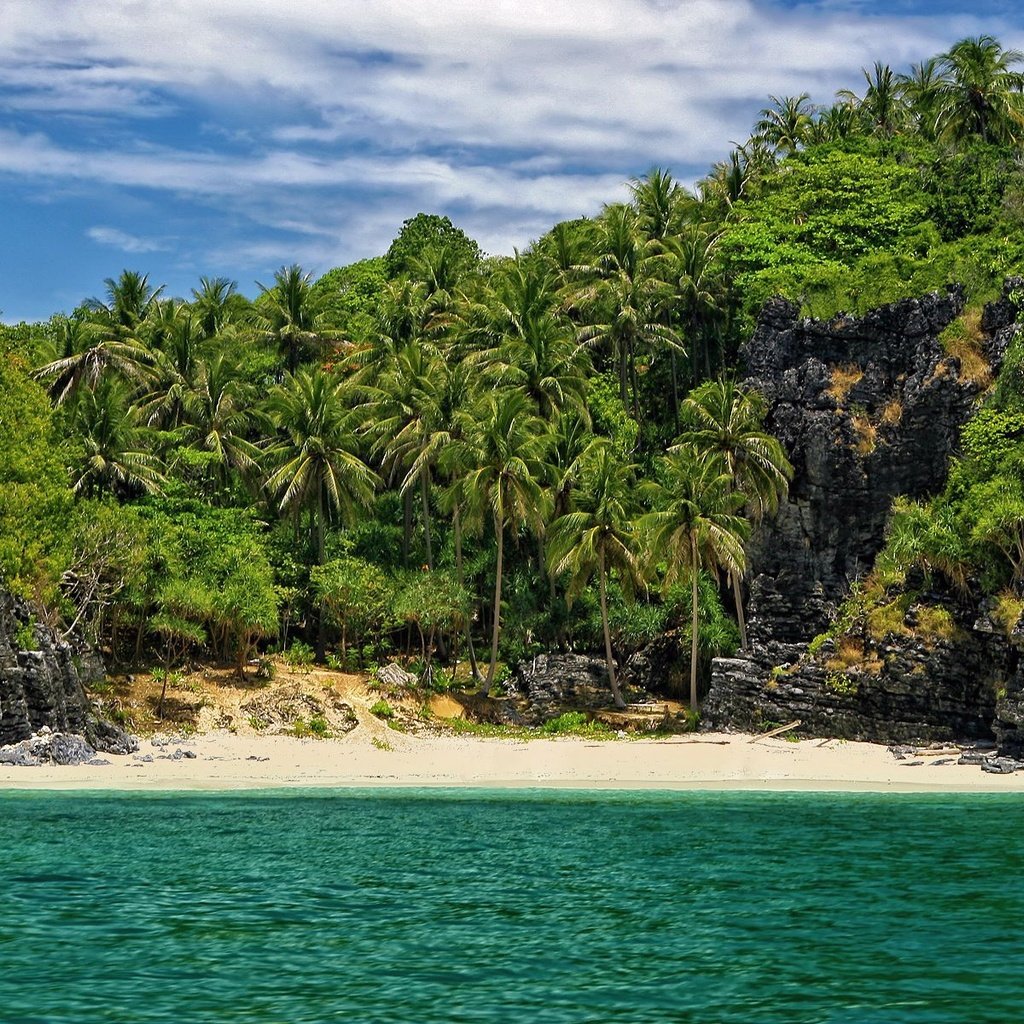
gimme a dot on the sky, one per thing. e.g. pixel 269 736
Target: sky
pixel 184 138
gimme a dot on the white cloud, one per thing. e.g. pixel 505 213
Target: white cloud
pixel 510 113
pixel 123 240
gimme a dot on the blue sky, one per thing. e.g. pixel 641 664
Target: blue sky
pixel 230 137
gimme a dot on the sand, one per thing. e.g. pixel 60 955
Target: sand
pixel 702 761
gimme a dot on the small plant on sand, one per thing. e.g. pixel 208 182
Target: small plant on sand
pixel 335 664
pixel 257 723
pixel 381 744
pixel 574 723
pixel 299 655
pixel 382 709
pixel 320 727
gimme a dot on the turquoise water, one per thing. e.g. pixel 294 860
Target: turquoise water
pixel 539 907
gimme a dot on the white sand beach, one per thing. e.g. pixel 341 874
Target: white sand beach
pixel 702 761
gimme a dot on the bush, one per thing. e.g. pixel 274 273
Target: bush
pixel 382 709
pixel 299 655
pixel 574 723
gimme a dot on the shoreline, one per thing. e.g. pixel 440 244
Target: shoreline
pixel 391 760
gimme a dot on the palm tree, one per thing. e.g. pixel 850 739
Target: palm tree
pixel 110 340
pixel 599 536
pixel 212 304
pixel 921 90
pixel 981 93
pixel 695 526
pixel 218 416
pixel 881 105
pixel 316 456
pixel 292 315
pixel 698 292
pixel 117 455
pixel 625 300
pixel 721 419
pixel 533 347
pixel 659 201
pixel 504 450
pixel 785 124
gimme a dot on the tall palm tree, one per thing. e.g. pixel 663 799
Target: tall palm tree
pixel 660 203
pixel 212 304
pixel 532 345
pixel 292 315
pixel 504 450
pixel 624 301
pixel 117 448
pixel 695 526
pixel 218 415
pixel 111 341
pixel 316 459
pixel 599 537
pixel 882 104
pixel 981 92
pixel 785 124
pixel 921 90
pixel 697 293
pixel 719 418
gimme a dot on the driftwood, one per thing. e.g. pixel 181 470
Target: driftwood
pixel 775 732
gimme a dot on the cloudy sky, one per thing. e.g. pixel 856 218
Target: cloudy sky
pixel 229 137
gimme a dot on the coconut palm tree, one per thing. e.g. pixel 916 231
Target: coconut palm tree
pixel 785 124
pixel 533 346
pixel 720 418
pixel 882 104
pixel 624 300
pixel 921 90
pixel 599 537
pixel 212 304
pixel 504 451
pixel 317 467
pixel 292 315
pixel 981 93
pixel 695 526
pixel 117 455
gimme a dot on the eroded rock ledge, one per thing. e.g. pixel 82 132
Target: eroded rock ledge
pixel 867 409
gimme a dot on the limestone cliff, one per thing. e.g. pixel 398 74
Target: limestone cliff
pixel 42 683
pixel 867 409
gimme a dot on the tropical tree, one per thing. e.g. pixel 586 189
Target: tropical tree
pixel 721 419
pixel 292 315
pixel 504 452
pixel 785 124
pixel 116 447
pixel 599 537
pixel 981 92
pixel 695 526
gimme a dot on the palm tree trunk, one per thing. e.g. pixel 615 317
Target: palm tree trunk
pixel 616 693
pixel 623 375
pixel 406 527
pixel 499 527
pixel 321 625
pixel 462 583
pixel 737 587
pixel 675 391
pixel 425 496
pixel 695 569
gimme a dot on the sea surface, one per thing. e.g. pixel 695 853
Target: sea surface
pixel 532 906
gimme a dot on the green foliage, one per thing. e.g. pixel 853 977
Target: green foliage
pixel 426 235
pixel 382 709
pixel 35 500
pixel 575 723
pixel 299 655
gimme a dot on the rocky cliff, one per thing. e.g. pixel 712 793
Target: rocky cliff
pixel 867 409
pixel 42 683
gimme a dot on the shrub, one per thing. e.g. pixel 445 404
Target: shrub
pixel 382 709
pixel 299 655
pixel 574 723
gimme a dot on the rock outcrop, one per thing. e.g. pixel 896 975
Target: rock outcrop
pixel 867 409
pixel 42 686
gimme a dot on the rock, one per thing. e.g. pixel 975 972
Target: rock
pixel 276 710
pixel 867 409
pixel 44 688
pixel 97 761
pixel 48 748
pixel 393 675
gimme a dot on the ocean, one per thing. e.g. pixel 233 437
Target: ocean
pixel 507 906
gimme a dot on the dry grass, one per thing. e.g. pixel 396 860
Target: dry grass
pixel 892 413
pixel 866 433
pixel 963 340
pixel 844 379
pixel 1008 609
pixel 849 653
pixel 935 623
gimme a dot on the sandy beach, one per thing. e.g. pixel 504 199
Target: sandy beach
pixel 704 761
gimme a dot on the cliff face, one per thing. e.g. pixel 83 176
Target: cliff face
pixel 867 409
pixel 42 681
